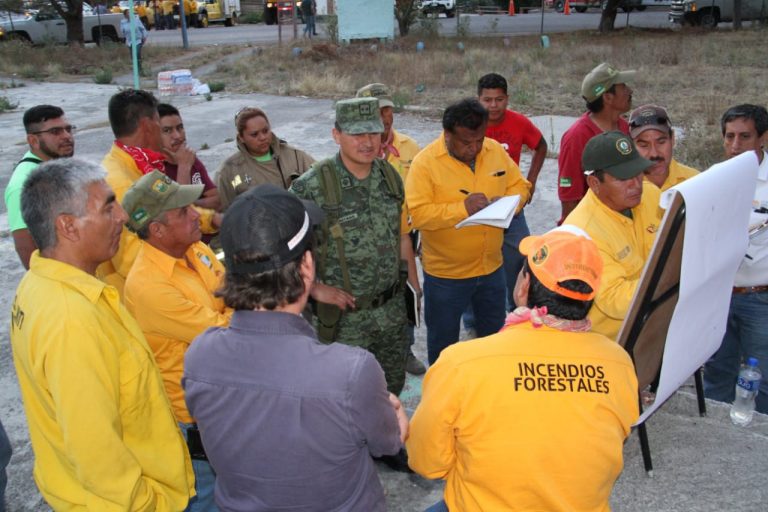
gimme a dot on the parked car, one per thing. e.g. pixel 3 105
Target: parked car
pixel 583 5
pixel 709 13
pixel 447 7
pixel 46 26
pixel 283 8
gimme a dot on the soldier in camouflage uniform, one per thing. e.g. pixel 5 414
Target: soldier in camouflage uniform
pixel 364 229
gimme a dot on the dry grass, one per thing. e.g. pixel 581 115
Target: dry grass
pixel 695 74
pixel 73 63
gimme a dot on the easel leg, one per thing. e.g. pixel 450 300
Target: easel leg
pixel 645 447
pixel 699 379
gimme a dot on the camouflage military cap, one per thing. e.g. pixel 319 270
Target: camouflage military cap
pixel 379 91
pixel 152 195
pixel 359 115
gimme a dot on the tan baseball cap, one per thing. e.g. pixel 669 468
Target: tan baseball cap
pixel 379 91
pixel 602 78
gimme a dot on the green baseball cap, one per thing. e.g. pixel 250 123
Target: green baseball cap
pixel 378 91
pixel 152 195
pixel 602 78
pixel 614 153
pixel 359 115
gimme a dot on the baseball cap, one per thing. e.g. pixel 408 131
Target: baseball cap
pixel 562 254
pixel 378 91
pixel 649 117
pixel 271 222
pixel 153 194
pixel 602 78
pixel 359 115
pixel 614 153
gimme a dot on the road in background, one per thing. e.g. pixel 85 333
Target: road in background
pixel 521 24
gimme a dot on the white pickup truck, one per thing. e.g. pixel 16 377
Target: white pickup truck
pixel 46 26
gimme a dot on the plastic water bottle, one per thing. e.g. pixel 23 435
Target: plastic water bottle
pixel 743 407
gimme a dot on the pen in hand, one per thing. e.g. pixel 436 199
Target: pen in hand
pixel 463 191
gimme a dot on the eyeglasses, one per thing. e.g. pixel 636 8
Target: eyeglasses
pixel 648 120
pixel 57 130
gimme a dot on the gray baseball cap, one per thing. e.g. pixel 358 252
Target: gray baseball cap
pixel 359 115
pixel 614 153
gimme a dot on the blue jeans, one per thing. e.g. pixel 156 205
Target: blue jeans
pixel 5 458
pixel 513 260
pixel 440 506
pixel 309 27
pixel 746 336
pixel 205 481
pixel 446 299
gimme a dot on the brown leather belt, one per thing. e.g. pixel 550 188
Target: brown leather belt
pixel 750 289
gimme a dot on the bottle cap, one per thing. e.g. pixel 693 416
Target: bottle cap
pixel 752 361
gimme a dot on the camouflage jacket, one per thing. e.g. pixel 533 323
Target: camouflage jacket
pixel 370 216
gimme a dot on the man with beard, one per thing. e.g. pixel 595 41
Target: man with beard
pixel 49 136
pixel 652 132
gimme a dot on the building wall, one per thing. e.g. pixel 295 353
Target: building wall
pixel 366 19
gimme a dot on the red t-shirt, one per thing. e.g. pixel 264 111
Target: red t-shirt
pixel 512 132
pixel 571 183
pixel 198 174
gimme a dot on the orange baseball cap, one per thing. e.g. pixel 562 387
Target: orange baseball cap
pixel 563 254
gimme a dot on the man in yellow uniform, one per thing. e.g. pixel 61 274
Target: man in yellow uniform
pixel 167 6
pixel 100 423
pixel 399 150
pixel 651 130
pixel 190 11
pixel 534 417
pixel 454 177
pixel 170 291
pixel 621 214
pixel 137 150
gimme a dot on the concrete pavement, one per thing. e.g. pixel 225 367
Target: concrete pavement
pixel 701 464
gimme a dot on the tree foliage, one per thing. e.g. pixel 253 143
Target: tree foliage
pixel 406 12
pixel 72 12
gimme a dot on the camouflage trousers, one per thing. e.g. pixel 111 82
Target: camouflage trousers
pixel 381 331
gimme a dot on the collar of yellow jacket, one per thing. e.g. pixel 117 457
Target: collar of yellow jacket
pixel 55 270
pixel 164 262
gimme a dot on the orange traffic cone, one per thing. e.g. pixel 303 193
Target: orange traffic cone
pixel 567 9
pixel 511 7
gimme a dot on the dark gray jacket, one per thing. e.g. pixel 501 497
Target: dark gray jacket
pixel 287 422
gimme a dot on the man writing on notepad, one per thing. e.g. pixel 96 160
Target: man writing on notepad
pixel 454 177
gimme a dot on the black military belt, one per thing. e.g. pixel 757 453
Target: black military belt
pixel 378 300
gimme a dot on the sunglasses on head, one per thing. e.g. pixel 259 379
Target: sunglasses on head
pixel 646 120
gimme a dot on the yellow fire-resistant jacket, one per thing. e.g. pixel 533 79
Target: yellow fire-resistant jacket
pixel 101 425
pixel 435 191
pixel 173 304
pixel 624 245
